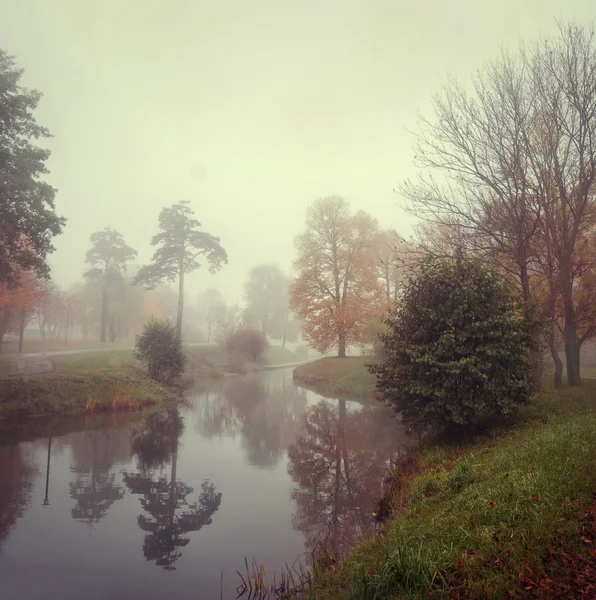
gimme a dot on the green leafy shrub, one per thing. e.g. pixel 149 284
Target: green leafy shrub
pixel 458 347
pixel 156 347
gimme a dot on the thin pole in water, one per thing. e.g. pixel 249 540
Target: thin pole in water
pixel 46 500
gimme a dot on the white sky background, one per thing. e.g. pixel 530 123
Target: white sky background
pixel 250 109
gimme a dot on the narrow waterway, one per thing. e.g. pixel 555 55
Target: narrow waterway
pixel 158 506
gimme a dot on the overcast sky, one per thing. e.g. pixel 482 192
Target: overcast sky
pixel 250 109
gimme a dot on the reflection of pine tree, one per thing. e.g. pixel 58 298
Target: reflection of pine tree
pixel 156 441
pixel 169 516
pixel 93 489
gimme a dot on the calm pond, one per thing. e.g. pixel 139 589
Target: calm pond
pixel 156 506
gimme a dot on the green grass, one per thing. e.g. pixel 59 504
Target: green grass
pixel 276 355
pixel 339 377
pixel 478 516
pixel 91 361
pixel 68 393
pixel 213 361
pixel 7 365
pixel 33 346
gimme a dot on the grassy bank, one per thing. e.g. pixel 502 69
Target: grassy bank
pixel 107 380
pixel 509 515
pixel 338 377
pixel 213 362
pixel 85 391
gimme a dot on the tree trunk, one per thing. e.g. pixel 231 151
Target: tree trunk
pixel 209 331
pixel 554 352
pixel 104 313
pixel 283 340
pixel 570 337
pixel 342 345
pixel 180 304
pixel 4 324
pixel 22 328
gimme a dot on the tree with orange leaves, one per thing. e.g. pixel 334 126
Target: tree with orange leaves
pixel 337 292
pixel 17 302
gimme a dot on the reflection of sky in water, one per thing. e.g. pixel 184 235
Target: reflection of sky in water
pixel 236 439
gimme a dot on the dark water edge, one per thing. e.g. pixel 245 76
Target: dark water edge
pixel 161 503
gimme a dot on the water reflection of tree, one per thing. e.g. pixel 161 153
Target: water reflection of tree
pixel 15 486
pixel 337 465
pixel 94 489
pixel 169 514
pixel 265 411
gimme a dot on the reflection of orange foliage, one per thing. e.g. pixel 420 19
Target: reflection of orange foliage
pixel 337 292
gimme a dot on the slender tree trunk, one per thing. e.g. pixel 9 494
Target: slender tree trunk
pixel 180 303
pixel 570 336
pixel 104 313
pixel 341 345
pixel 209 331
pixel 554 352
pixel 4 323
pixel 22 328
pixel 283 340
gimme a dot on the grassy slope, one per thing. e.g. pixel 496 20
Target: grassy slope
pixel 67 393
pixel 338 377
pixel 507 512
pixel 213 361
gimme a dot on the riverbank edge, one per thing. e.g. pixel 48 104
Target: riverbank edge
pixel 511 513
pixel 345 378
pixel 24 397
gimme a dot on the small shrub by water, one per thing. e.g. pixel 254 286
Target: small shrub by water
pixel 247 342
pixel 157 348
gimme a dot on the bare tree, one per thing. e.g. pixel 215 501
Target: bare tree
pixel 514 163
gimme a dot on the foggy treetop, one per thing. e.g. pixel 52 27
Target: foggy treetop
pixel 249 110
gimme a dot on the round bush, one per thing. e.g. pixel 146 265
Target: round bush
pixel 457 348
pixel 156 347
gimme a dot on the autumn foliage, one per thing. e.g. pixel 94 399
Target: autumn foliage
pixel 337 292
pixel 248 343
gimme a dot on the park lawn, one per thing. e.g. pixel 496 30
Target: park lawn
pixel 511 514
pixel 339 377
pixel 213 362
pixel 36 346
pixel 7 365
pixel 277 355
pixel 93 361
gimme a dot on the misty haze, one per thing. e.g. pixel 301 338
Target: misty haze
pixel 297 299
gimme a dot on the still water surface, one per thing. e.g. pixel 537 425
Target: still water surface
pixel 148 507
